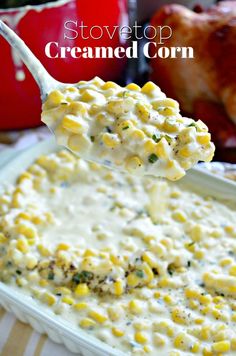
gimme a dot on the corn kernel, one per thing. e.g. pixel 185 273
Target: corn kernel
pixel 205 333
pixel 63 291
pixel 28 231
pixel 165 103
pixel 149 88
pixel 195 348
pixel 118 287
pixel 114 313
pixel 185 152
pixel 81 290
pixel 205 299
pixel 143 111
pixel 49 298
pixel 203 138
pixel 31 262
pixel 43 283
pixel 117 332
pixel 149 258
pixel 22 246
pixel 43 250
pixel 100 318
pixel 233 343
pixel 135 307
pixel 3 238
pixel 110 140
pixel 199 254
pixel 158 339
pixel 137 135
pixel 168 299
pixel 206 352
pixel 179 216
pixel 87 323
pixel 80 306
pixel 67 300
pixel 169 126
pixel 226 261
pixel 140 337
pixel 162 149
pixel 133 163
pixel 115 260
pixel 62 247
pixel 157 295
pixel 150 146
pixel 232 271
pixel 110 85
pixel 72 124
pixel 221 346
pixel 79 143
pixel 179 316
pixel 180 341
pixel 133 86
pixel 55 98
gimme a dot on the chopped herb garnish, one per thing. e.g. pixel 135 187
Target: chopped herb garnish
pixel 170 271
pixel 191 243
pixel 51 275
pixel 92 138
pixel 108 129
pixel 193 124
pixel 156 138
pixel 189 263
pixel 18 271
pixel 82 277
pixel 168 139
pixel 139 273
pixel 152 158
pixel 125 128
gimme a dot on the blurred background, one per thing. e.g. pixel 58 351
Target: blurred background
pixel 205 86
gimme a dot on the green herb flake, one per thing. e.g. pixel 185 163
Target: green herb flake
pixel 125 128
pixel 82 277
pixel 152 158
pixel 92 138
pixel 108 129
pixel 139 273
pixel 168 139
pixel 193 124
pixel 51 276
pixel 156 138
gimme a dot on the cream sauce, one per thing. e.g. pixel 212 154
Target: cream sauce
pixel 87 216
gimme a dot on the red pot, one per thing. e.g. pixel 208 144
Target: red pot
pixel 20 103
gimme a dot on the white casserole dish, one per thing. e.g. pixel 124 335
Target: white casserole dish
pixel 42 319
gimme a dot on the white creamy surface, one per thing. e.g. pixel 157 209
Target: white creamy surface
pixel 186 304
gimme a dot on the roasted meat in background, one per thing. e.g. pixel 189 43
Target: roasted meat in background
pixel 206 85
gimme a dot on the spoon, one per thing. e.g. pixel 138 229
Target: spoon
pixel 121 143
pixel 44 80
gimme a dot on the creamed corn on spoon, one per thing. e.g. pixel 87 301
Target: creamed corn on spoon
pixel 133 129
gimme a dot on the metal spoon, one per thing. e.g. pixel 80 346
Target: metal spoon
pixel 44 80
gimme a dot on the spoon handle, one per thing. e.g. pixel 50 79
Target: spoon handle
pixel 44 80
